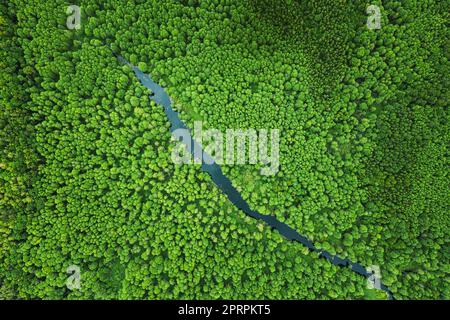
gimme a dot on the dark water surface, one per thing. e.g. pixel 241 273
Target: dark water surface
pixel 161 97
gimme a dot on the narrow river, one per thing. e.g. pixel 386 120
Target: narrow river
pixel 162 98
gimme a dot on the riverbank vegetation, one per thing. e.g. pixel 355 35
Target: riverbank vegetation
pixel 86 177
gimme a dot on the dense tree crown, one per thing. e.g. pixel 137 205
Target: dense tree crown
pixel 86 176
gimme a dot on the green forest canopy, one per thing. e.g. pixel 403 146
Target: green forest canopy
pixel 85 171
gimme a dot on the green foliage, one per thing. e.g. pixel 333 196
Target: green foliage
pixel 85 171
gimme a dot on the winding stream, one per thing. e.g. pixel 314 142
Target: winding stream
pixel 162 98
